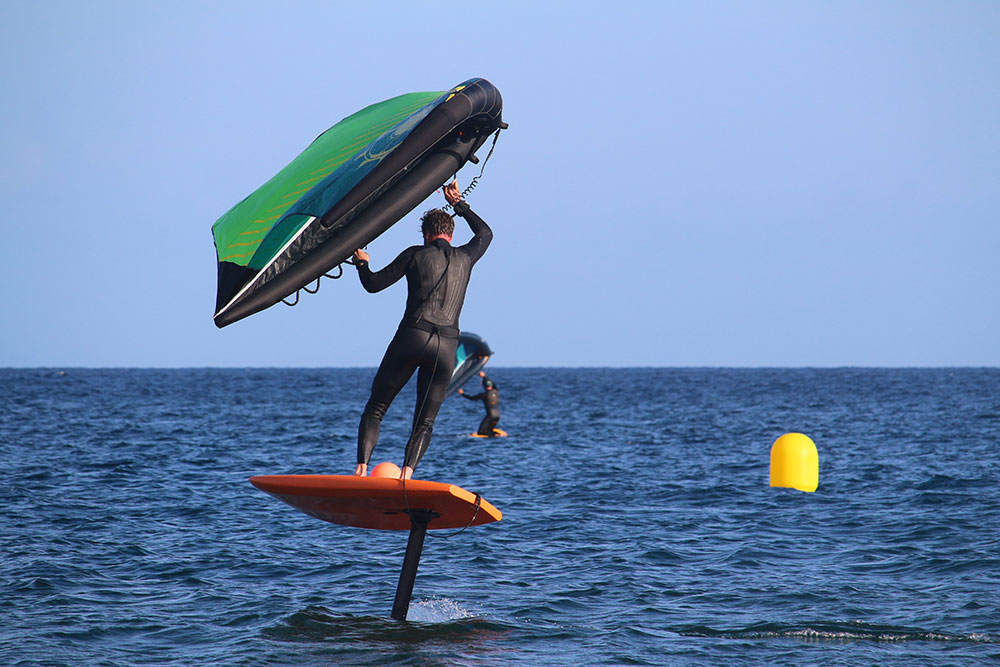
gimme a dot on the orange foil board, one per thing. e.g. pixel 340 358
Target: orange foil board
pixel 497 433
pixel 377 502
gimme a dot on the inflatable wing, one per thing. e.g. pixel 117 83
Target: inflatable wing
pixel 352 183
pixel 470 356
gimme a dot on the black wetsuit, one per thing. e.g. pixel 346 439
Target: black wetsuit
pixel 437 275
pixel 491 399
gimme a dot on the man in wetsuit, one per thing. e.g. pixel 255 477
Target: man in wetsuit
pixel 490 396
pixel 437 275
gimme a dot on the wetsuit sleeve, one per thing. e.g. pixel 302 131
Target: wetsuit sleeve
pixel 482 234
pixel 378 280
pixel 477 397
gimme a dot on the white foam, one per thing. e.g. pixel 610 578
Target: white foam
pixel 438 610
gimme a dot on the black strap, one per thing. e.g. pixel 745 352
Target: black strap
pixel 424 325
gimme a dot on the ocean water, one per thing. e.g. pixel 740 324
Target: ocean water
pixel 639 527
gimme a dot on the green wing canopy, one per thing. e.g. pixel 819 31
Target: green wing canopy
pixel 241 232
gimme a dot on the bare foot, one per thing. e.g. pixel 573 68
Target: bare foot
pixel 361 470
pixel 407 473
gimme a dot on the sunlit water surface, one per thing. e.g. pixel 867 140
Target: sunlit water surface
pixel 639 528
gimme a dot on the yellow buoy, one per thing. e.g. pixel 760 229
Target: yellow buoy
pixel 795 463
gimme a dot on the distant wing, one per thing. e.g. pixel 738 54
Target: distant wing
pixel 470 357
pixel 352 183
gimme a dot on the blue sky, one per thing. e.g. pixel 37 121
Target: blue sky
pixel 683 183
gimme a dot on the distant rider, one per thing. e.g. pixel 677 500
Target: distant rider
pixel 490 396
pixel 437 276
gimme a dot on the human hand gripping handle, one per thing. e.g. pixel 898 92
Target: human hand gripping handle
pixel 451 192
pixel 360 255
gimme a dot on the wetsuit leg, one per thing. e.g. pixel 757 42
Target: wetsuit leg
pixel 436 365
pixel 394 372
pixel 492 418
pixel 486 426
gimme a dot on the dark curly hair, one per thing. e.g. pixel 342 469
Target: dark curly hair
pixel 436 222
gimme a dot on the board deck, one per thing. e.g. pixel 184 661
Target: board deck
pixel 378 502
